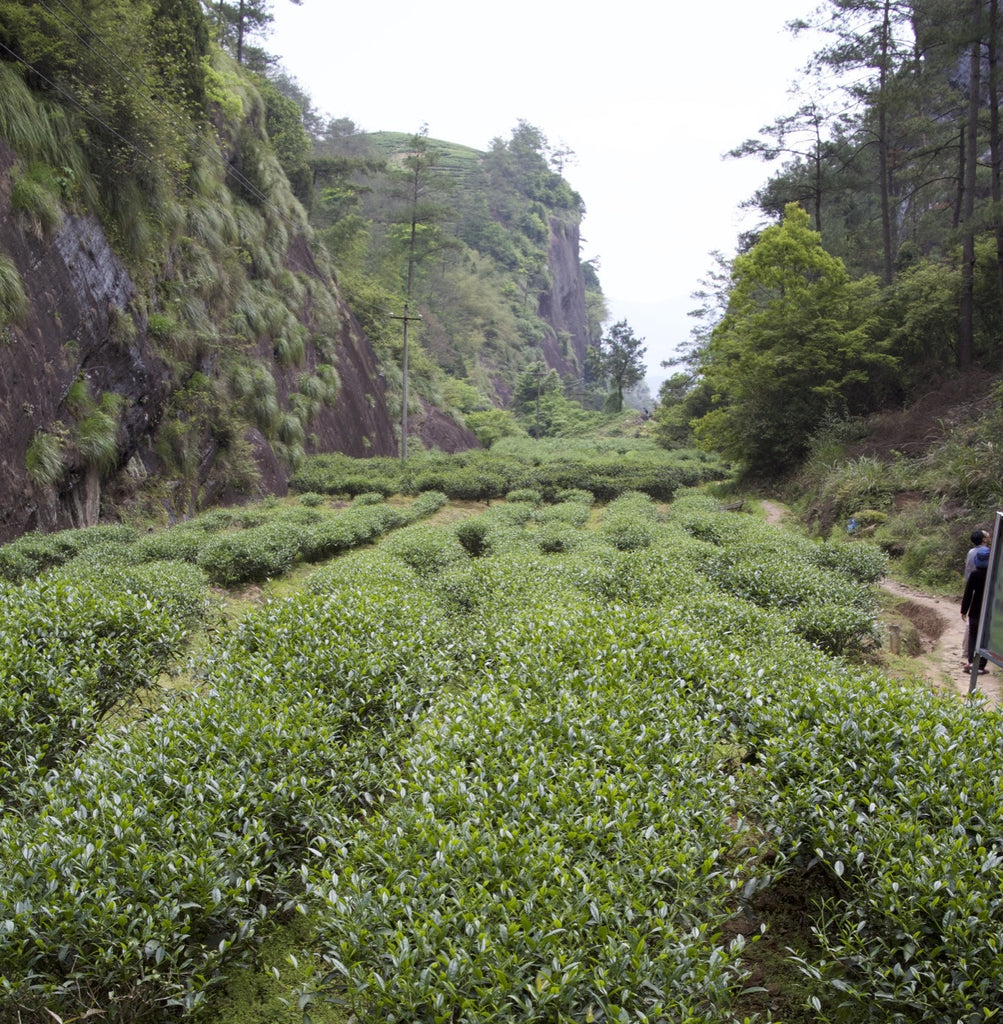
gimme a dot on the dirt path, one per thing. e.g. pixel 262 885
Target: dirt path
pixel 941 630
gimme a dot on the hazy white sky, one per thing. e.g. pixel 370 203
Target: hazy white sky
pixel 649 96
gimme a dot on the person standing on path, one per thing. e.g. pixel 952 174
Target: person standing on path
pixel 971 603
pixel 979 539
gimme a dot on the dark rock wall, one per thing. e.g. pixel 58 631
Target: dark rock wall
pixel 562 306
pixel 80 321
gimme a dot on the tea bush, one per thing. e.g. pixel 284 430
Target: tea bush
pixel 556 536
pixel 863 562
pixel 604 470
pixel 246 556
pixel 426 504
pixel 574 513
pixel 629 522
pixel 82 647
pixel 33 553
pixel 473 536
pixel 425 549
pixel 522 786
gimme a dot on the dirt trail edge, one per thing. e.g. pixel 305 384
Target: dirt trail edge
pixel 941 627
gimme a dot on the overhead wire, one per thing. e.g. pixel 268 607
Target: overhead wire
pixel 73 99
pixel 193 138
pixel 130 76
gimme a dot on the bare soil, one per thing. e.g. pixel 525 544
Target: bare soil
pixel 942 631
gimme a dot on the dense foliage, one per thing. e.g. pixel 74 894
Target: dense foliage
pixel 798 343
pixel 892 152
pixel 190 164
pixel 551 761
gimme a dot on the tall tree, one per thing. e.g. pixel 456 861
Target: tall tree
pixel 618 359
pixel 237 22
pixel 968 179
pixel 995 143
pixel 871 42
pixel 795 344
pixel 417 232
pixel 802 136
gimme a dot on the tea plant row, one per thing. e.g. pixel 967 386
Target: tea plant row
pixel 606 469
pixel 531 767
pixel 231 546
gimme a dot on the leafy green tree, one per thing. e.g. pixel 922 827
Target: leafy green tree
pixel 618 360
pixel 534 386
pixel 674 411
pixel 920 309
pixel 797 342
pixel 237 22
pixel 871 41
pixel 490 425
pixel 287 132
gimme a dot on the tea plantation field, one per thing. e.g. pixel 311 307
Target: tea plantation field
pixel 549 761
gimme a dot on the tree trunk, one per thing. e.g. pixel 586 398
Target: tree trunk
pixel 240 33
pixel 995 149
pixel 884 168
pixel 965 312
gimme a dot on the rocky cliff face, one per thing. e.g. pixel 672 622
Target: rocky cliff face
pixel 84 326
pixel 90 331
pixel 562 306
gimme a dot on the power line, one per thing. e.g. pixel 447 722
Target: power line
pixel 131 76
pixel 72 99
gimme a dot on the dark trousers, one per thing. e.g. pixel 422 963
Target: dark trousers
pixel 973 634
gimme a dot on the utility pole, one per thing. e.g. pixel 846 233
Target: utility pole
pixel 418 165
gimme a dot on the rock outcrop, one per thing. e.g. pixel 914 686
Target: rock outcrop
pixel 562 305
pixel 84 324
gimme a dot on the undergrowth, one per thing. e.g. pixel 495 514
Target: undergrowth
pixel 921 505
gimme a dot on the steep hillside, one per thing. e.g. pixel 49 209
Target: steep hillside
pixel 497 275
pixel 210 373
pixel 916 481
pixel 174 334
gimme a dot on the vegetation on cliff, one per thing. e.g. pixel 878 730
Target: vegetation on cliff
pixel 128 114
pixel 496 266
pixel 201 171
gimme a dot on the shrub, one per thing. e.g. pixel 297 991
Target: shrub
pixel 79 648
pixel 837 628
pixel 556 537
pixel 425 549
pixel 369 498
pixel 473 535
pixel 32 554
pixel 575 495
pixel 527 494
pixel 248 556
pixel 629 522
pixel 178 544
pixel 427 503
pixel 865 563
